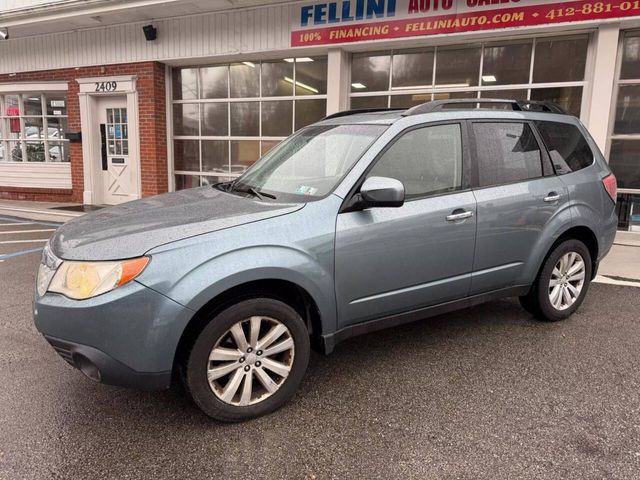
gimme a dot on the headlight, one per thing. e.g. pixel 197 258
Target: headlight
pixel 81 280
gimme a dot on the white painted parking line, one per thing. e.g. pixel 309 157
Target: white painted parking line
pixel 16 223
pixel 29 231
pixel 7 242
pixel 612 281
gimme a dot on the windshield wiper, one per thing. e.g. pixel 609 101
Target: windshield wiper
pixel 253 191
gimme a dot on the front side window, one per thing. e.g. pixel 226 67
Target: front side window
pixel 567 147
pixel 506 153
pixel 428 161
pixel 311 163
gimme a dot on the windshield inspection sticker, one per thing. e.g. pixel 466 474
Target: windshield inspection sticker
pixel 305 190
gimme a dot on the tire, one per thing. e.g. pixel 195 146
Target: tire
pixel 543 301
pixel 223 396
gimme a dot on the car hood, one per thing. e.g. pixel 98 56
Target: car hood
pixel 132 229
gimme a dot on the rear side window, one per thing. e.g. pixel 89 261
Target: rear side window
pixel 567 146
pixel 506 153
pixel 428 161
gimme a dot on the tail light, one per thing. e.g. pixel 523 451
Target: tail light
pixel 611 186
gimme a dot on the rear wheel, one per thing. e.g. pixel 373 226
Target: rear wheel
pixel 562 283
pixel 249 360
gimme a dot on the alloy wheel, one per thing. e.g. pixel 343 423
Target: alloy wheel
pixel 567 280
pixel 251 361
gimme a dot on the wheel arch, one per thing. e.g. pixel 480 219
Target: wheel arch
pixel 291 293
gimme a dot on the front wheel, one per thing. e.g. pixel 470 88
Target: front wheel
pixel 249 360
pixel 562 283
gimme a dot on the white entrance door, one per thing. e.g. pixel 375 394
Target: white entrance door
pixel 119 164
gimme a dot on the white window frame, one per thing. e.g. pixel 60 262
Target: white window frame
pixel 19 90
pixel 229 100
pixel 612 116
pixel 434 90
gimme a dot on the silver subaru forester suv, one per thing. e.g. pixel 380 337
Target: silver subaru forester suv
pixel 362 221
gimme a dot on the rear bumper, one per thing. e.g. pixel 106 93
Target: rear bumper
pixel 100 367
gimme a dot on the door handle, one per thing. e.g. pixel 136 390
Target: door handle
pixel 552 197
pixel 454 217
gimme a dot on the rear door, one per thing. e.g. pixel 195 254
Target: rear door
pixel 391 260
pixel 517 194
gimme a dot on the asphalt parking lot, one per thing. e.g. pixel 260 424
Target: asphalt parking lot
pixel 483 393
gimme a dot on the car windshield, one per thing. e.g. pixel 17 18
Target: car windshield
pixel 308 164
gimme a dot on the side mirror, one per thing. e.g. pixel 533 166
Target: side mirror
pixel 382 192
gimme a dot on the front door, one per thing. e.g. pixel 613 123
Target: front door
pixel 119 167
pixel 391 260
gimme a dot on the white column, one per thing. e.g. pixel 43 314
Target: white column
pixel 337 81
pixel 603 78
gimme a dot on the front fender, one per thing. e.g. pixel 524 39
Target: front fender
pixel 199 285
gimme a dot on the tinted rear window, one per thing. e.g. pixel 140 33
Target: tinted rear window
pixel 567 146
pixel 506 153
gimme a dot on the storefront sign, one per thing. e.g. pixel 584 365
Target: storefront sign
pixel 344 21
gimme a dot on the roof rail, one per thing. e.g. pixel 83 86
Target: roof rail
pixel 362 110
pixel 516 105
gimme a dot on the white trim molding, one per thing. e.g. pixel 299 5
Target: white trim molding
pixel 34 87
pixel 35 174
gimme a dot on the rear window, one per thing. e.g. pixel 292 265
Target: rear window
pixel 567 146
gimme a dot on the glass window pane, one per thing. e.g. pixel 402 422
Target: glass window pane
pixel 506 152
pixel 15 151
pixel 212 180
pixel 186 155
pixel 268 145
pixel 277 118
pixel 3 153
pixel 358 103
pixel 628 110
pixel 505 95
pixel 33 128
pixel 309 111
pixel 185 83
pixel 185 119
pixel 408 101
pixel 370 73
pixel 456 95
pixel 244 80
pixel 506 64
pixel 56 128
pixel 624 161
pixel 245 119
pixel 214 82
pixel 35 152
pixel 56 104
pixel 569 98
pixel 244 153
pixel 427 161
pixel 273 79
pixel 32 104
pixel 215 120
pixel 560 60
pixel 311 77
pixel 58 151
pixel 215 156
pixel 187 181
pixel 412 70
pixel 630 58
pixel 567 146
pixel 458 67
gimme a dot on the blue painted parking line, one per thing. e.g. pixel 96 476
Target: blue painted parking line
pixel 23 220
pixel 17 254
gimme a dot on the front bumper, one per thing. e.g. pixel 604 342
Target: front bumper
pixel 100 367
pixel 125 337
